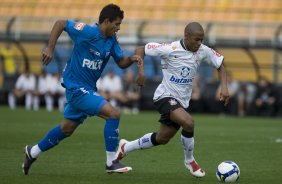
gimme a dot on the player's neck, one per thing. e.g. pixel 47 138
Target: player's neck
pixel 102 29
pixel 183 45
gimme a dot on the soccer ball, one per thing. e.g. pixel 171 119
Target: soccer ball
pixel 228 171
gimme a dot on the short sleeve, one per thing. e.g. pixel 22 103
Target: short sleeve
pixel 212 57
pixel 77 31
pixel 157 49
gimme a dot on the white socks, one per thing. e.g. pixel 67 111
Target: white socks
pixel 141 143
pixel 188 146
pixel 49 102
pixel 12 100
pixel 35 151
pixel 28 101
pixel 111 156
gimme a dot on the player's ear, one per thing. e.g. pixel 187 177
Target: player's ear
pixel 106 21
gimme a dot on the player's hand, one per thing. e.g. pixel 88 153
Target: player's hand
pixel 224 96
pixel 137 59
pixel 47 55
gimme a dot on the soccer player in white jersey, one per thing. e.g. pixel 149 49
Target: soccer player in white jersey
pixel 180 61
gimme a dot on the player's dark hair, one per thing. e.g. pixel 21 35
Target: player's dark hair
pixel 110 11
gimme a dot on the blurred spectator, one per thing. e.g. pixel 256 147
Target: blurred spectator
pixel 111 89
pixel 246 96
pixel 233 88
pixel 47 88
pixel 265 98
pixel 40 89
pixel 132 93
pixel 196 101
pixel 25 87
pixel 9 66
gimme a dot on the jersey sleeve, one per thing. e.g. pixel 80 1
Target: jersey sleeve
pixel 116 51
pixel 77 31
pixel 212 57
pixel 157 49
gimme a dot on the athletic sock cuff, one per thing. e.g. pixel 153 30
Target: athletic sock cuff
pixel 187 134
pixel 153 139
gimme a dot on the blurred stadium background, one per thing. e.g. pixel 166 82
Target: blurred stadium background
pixel 247 32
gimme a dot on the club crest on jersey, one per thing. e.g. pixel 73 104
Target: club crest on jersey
pixel 79 26
pixel 172 102
pixel 185 71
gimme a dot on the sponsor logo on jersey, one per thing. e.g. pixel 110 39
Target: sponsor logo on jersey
pixel 95 52
pixel 172 102
pixel 215 53
pixel 79 26
pixel 175 80
pixel 93 65
pixel 154 46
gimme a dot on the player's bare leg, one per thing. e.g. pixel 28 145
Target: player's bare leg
pixel 185 120
pixel 147 141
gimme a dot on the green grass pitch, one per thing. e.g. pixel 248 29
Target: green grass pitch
pixel 255 144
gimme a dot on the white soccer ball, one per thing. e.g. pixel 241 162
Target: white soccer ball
pixel 228 172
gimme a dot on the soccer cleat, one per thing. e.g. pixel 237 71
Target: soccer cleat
pixel 28 160
pixel 120 152
pixel 195 169
pixel 117 167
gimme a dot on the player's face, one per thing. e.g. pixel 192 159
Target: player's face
pixel 194 40
pixel 113 27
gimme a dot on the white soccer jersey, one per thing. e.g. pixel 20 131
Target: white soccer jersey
pixel 179 67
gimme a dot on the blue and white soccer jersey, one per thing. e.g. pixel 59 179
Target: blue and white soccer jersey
pixel 90 55
pixel 179 67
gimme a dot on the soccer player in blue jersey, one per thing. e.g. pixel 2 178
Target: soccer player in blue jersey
pixel 93 46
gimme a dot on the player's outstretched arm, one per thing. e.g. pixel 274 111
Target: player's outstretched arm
pixel 140 51
pixel 56 31
pixel 224 94
pixel 127 61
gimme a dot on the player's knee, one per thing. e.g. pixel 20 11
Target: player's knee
pixel 188 125
pixel 67 131
pixel 68 128
pixel 114 113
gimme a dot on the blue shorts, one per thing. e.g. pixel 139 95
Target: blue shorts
pixel 82 103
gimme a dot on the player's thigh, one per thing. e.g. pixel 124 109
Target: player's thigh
pixel 165 133
pixel 182 117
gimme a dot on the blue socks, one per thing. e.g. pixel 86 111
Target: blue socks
pixel 55 135
pixel 111 134
pixel 53 138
